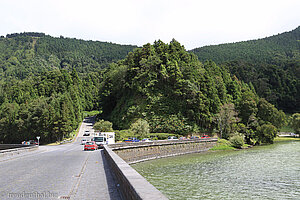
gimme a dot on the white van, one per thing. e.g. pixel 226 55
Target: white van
pixel 100 141
pixel 103 138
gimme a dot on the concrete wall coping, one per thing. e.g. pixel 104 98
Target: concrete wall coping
pixel 125 145
pixel 142 188
pixel 18 149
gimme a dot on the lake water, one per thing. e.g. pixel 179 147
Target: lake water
pixel 266 172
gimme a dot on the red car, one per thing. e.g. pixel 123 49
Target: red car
pixel 90 145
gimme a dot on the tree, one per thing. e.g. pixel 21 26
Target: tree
pixel 295 122
pixel 140 128
pixel 225 119
pixel 247 106
pixel 268 113
pixel 266 133
pixel 103 126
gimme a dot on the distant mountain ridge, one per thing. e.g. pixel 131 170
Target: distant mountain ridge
pixel 282 46
pixel 271 64
pixel 24 53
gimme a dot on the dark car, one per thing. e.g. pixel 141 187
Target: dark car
pixel 86 133
pixel 205 136
pixel 33 142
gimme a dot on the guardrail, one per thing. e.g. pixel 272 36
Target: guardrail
pixel 17 150
pixel 11 146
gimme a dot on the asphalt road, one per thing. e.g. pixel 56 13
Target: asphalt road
pixel 58 172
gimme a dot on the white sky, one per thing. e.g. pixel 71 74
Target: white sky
pixel 194 23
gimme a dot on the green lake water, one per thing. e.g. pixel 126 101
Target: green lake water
pixel 266 172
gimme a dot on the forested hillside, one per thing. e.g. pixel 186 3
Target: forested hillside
pixel 46 84
pixel 31 53
pixel 271 64
pixel 49 105
pixel 172 90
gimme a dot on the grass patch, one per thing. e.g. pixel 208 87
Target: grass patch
pixel 284 139
pixel 222 144
pixel 221 147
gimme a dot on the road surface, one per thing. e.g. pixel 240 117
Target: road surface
pixel 58 172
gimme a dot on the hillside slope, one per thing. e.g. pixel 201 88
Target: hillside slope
pixel 25 53
pixel 271 64
pixel 271 50
pixel 176 93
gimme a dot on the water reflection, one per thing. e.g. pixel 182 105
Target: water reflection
pixel 268 172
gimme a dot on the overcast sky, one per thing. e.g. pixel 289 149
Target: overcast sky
pixel 194 23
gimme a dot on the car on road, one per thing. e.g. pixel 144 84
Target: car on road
pixel 90 145
pixel 100 141
pixel 83 141
pixel 195 137
pixel 205 136
pixel 30 142
pixel 132 139
pixel 172 138
pixel 146 140
pixel 86 133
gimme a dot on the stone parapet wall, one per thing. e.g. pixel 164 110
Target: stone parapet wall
pixel 138 152
pixel 131 184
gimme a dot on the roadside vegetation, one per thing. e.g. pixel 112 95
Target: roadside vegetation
pixel 48 85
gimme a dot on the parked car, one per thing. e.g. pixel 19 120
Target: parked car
pixel 182 138
pixel 146 140
pixel 32 142
pixel 194 137
pixel 132 139
pixel 90 145
pixel 83 141
pixel 172 138
pixel 205 136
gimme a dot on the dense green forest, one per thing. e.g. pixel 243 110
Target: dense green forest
pixel 271 64
pixel 46 83
pixel 49 105
pixel 175 93
pixel 22 54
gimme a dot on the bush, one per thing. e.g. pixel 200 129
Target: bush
pixel 237 141
pixel 266 133
pixel 103 126
pixel 123 135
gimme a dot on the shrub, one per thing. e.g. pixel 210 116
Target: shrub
pixel 266 133
pixel 123 135
pixel 237 141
